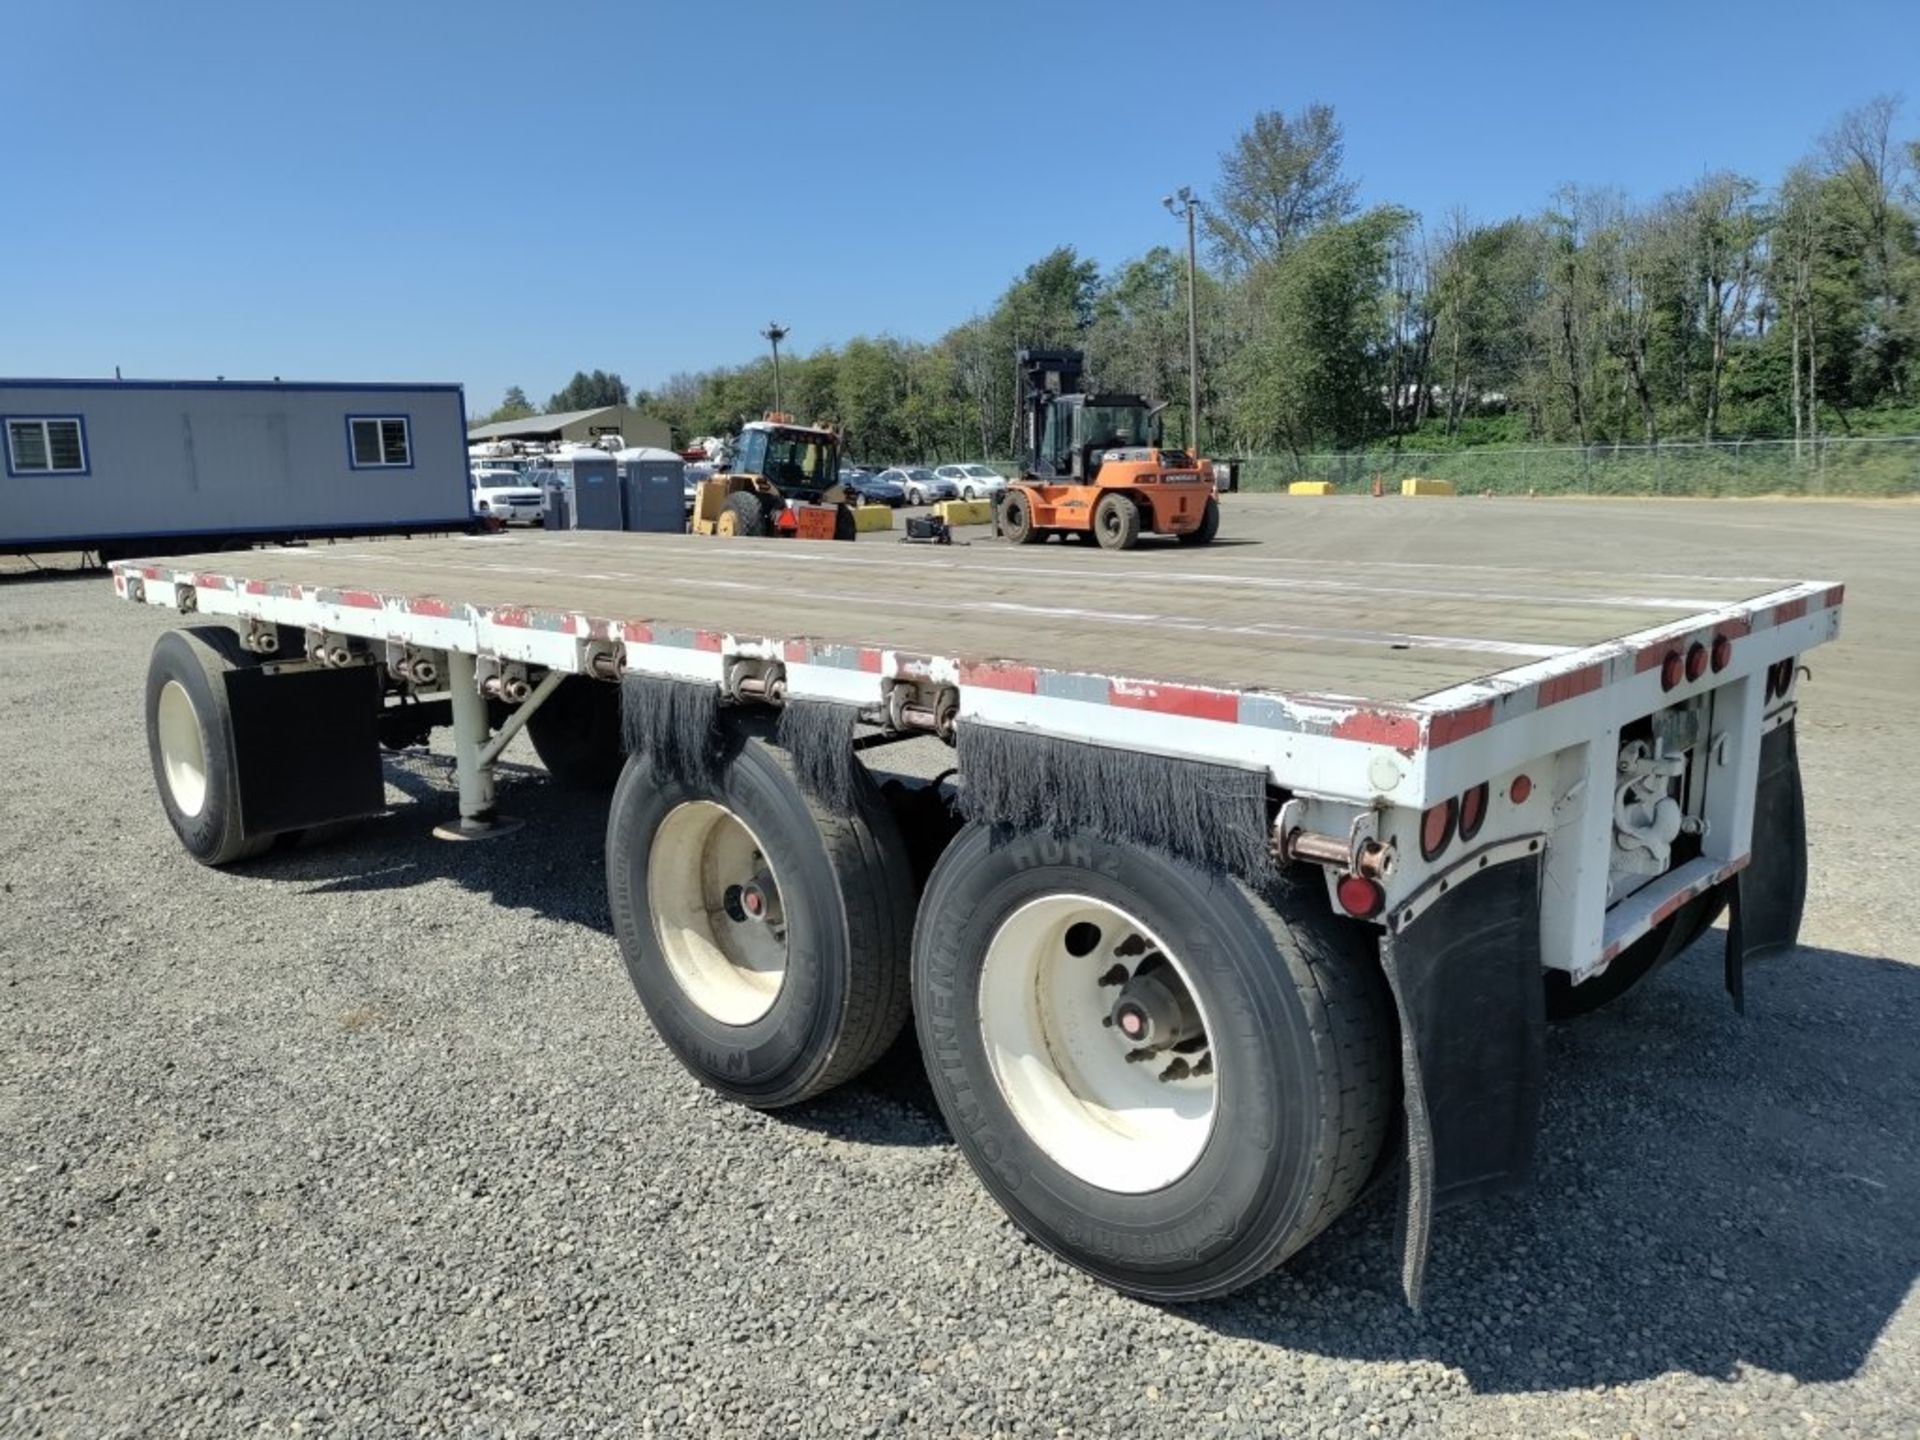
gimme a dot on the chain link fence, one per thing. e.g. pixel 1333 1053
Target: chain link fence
pixel 1842 466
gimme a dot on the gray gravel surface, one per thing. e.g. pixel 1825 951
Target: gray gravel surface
pixel 373 1139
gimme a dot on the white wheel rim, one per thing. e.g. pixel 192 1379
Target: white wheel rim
pixel 183 753
pixel 729 964
pixel 1063 1069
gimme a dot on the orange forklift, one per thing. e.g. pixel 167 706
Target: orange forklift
pixel 1094 464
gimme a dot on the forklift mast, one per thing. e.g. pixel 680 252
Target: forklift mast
pixel 1044 376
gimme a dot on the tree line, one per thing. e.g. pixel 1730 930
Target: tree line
pixel 1730 308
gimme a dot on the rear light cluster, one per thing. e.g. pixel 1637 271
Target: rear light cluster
pixel 1779 678
pixel 1463 817
pixel 1693 662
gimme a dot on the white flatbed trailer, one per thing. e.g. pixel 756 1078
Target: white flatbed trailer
pixel 1509 791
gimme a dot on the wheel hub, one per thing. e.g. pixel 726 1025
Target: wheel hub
pixel 716 911
pixel 1152 1015
pixel 1119 1089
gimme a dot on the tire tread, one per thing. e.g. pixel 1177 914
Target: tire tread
pixel 1355 1042
pixel 876 894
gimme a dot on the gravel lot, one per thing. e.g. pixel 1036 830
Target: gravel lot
pixel 374 1139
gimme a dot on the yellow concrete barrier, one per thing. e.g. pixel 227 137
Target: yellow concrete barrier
pixel 872 517
pixel 965 512
pixel 1310 487
pixel 1417 486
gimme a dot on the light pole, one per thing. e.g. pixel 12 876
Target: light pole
pixel 775 332
pixel 1183 202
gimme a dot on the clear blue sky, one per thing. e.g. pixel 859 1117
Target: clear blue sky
pixel 500 194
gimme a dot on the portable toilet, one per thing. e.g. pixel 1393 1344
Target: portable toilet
pixel 556 511
pixel 653 483
pixel 597 500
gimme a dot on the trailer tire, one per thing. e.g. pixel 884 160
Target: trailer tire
pixel 576 733
pixel 1016 521
pixel 1566 1001
pixel 190 742
pixel 1116 521
pixel 1209 526
pixel 1015 939
pixel 841 885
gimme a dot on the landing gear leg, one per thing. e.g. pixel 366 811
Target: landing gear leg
pixel 473 765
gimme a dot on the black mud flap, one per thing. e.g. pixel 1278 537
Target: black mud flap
pixel 1467 981
pixel 1768 897
pixel 307 746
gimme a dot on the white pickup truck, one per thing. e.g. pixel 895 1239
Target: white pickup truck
pixel 506 495
pixel 1251 881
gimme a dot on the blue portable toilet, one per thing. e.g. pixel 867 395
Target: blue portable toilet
pixel 598 503
pixel 653 483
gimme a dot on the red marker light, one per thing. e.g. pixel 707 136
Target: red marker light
pixel 1519 791
pixel 1671 669
pixel 1360 897
pixel 1696 661
pixel 1473 811
pixel 1722 653
pixel 1436 829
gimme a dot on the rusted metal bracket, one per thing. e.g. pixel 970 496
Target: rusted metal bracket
pixel 922 705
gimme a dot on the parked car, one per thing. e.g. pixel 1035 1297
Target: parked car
pixel 920 485
pixel 506 496
pixel 873 489
pixel 975 482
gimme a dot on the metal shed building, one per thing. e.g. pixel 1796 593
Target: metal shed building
pixel 581 427
pixel 132 466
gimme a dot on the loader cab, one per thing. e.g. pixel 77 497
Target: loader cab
pixel 800 462
pixel 1076 430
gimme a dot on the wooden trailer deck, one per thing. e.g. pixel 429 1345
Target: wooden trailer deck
pixel 1279 604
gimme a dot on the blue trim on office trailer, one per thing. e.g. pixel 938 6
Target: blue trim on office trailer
pixel 407 417
pixel 86 450
pixel 461 524
pixel 335 386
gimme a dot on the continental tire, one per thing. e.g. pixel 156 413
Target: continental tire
pixel 773 996
pixel 1209 526
pixel 1116 522
pixel 576 733
pixel 190 742
pixel 1189 1171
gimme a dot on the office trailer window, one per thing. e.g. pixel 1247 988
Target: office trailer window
pixel 378 442
pixel 46 445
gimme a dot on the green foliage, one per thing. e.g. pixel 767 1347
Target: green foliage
pixel 1309 379
pixel 589 392
pixel 1727 309
pixel 513 406
pixel 1280 181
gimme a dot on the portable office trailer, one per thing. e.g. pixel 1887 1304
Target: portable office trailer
pixel 154 466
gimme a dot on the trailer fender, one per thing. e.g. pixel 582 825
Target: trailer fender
pixel 1463 962
pixel 1768 897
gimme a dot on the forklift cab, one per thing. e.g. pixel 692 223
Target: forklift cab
pixel 1077 430
pixel 800 463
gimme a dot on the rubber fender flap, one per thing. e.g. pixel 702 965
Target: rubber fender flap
pixel 1770 894
pixel 307 746
pixel 1466 980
